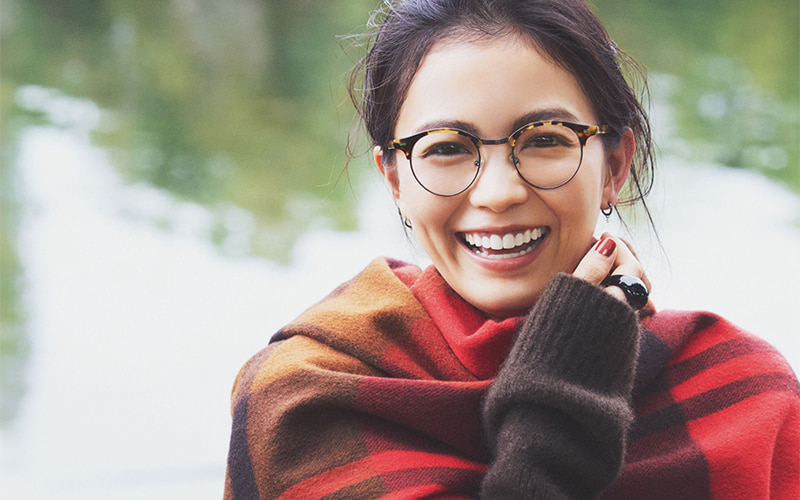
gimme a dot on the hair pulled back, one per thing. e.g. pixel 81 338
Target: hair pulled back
pixel 565 31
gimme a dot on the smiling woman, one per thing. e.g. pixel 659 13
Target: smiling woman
pixel 526 362
pixel 509 82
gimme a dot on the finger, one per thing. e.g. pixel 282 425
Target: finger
pixel 598 262
pixel 626 261
pixel 616 292
pixel 630 247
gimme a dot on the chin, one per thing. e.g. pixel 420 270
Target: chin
pixel 507 308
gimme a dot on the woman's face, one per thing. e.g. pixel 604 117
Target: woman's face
pixel 491 87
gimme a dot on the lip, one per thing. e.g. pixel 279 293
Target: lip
pixel 508 263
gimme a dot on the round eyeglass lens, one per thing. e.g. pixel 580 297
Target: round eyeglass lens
pixel 445 162
pixel 547 156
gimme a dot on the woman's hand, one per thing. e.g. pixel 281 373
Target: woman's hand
pixel 609 256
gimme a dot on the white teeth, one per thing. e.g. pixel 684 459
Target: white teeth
pixel 504 242
pixel 496 241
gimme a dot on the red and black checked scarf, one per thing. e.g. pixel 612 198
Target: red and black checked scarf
pixel 376 392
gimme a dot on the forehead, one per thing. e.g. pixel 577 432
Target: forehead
pixel 491 83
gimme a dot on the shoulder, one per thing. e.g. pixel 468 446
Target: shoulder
pixel 371 325
pixel 318 339
pixel 714 362
pixel 704 336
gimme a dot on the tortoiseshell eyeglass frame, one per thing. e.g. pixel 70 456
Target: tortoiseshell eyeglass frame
pixel 406 145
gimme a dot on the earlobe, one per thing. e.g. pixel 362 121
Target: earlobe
pixel 618 162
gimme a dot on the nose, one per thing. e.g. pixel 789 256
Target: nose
pixel 498 186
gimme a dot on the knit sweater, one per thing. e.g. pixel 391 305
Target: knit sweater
pixel 395 387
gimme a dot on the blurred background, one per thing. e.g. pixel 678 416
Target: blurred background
pixel 174 190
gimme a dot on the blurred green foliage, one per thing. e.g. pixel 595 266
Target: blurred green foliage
pixel 735 95
pixel 239 102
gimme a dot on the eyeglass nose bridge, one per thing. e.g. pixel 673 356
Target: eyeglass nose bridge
pixel 496 142
pixel 493 142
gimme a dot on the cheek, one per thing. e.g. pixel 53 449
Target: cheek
pixel 426 211
pixel 576 208
pixel 430 218
pixel 585 192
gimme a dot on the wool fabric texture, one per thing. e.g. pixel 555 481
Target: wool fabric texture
pixel 395 387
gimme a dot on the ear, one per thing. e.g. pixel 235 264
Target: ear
pixel 618 162
pixel 388 171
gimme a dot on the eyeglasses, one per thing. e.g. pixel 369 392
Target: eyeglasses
pixel 546 154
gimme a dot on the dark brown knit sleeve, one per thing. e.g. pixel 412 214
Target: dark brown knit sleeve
pixel 556 417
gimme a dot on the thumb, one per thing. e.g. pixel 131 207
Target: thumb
pixel 597 263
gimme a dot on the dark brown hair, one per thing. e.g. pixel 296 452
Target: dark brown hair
pixel 565 31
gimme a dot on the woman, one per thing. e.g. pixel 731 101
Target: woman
pixel 526 362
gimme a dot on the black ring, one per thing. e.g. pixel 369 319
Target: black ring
pixel 635 290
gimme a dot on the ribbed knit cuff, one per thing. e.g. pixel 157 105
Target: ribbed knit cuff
pixel 580 334
pixel 576 335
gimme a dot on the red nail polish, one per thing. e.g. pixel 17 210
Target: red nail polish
pixel 606 246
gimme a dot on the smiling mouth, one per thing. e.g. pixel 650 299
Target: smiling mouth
pixel 505 246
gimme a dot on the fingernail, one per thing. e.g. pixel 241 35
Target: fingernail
pixel 606 246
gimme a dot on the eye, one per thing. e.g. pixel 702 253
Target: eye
pixel 544 141
pixel 547 137
pixel 446 148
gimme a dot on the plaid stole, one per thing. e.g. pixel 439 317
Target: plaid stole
pixel 376 392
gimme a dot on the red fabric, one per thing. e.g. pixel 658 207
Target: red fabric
pixel 480 343
pixel 376 393
pixel 721 419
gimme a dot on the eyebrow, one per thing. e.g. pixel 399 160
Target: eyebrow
pixel 461 125
pixel 533 116
pixel 544 115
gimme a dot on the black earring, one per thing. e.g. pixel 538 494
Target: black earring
pixel 406 222
pixel 607 212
